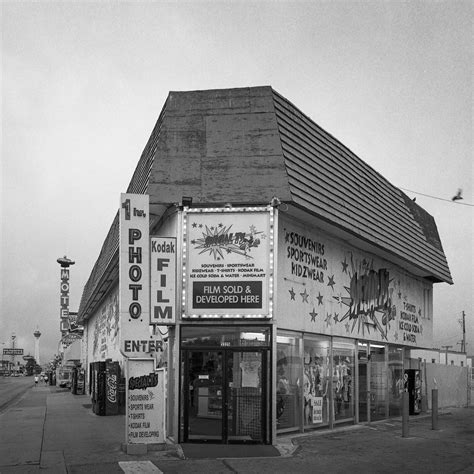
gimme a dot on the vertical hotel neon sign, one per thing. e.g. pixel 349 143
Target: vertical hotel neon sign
pixel 64 294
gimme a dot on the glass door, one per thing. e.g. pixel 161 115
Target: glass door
pixel 364 392
pixel 373 384
pixel 395 380
pixel 244 396
pixel 204 395
pixel 378 383
pixel 223 395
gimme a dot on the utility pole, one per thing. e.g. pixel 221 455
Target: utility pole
pixel 13 355
pixel 446 352
pixel 463 332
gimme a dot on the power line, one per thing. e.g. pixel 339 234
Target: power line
pixel 439 199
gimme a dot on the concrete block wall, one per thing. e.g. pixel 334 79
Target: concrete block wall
pixel 452 383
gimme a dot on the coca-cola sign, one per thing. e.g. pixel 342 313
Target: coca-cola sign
pixel 111 387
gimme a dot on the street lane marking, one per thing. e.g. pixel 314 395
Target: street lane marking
pixel 139 467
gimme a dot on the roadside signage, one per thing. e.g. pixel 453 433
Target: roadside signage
pixel 163 280
pixel 134 275
pixel 13 352
pixel 64 295
pixel 64 299
pixel 145 393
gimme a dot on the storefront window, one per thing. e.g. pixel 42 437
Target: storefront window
pixel 364 393
pixel 316 381
pixel 288 380
pixel 395 380
pixel 378 382
pixel 343 379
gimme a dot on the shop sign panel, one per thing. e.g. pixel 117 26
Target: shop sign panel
pixel 163 280
pixel 330 288
pixel 317 415
pixel 134 274
pixel 145 392
pixel 228 260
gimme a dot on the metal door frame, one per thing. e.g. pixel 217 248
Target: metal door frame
pixel 184 354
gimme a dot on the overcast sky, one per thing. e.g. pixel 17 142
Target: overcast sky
pixel 83 84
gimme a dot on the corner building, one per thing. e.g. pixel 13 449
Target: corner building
pixel 301 282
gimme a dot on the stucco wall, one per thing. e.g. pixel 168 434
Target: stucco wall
pixel 326 286
pixel 103 330
pixel 451 382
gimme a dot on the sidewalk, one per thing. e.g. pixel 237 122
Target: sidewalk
pixel 52 430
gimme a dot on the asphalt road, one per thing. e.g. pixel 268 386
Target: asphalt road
pixel 12 388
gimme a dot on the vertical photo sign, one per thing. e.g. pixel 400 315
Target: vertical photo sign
pixel 145 402
pixel 163 280
pixel 134 274
pixel 228 266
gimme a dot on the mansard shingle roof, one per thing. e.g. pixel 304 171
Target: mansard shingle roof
pixel 247 145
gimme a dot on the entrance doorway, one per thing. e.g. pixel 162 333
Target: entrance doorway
pixel 373 388
pixel 224 395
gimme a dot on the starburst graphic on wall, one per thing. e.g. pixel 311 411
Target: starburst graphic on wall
pixel 219 240
pixel 369 299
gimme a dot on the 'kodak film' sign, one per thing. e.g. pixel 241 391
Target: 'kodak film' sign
pixel 163 280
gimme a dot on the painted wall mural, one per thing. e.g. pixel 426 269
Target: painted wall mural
pixel 105 328
pixel 327 287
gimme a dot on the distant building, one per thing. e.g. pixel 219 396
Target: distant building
pixel 438 356
pixel 290 282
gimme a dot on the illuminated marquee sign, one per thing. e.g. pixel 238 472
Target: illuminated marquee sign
pixel 163 280
pixel 228 263
pixel 134 272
